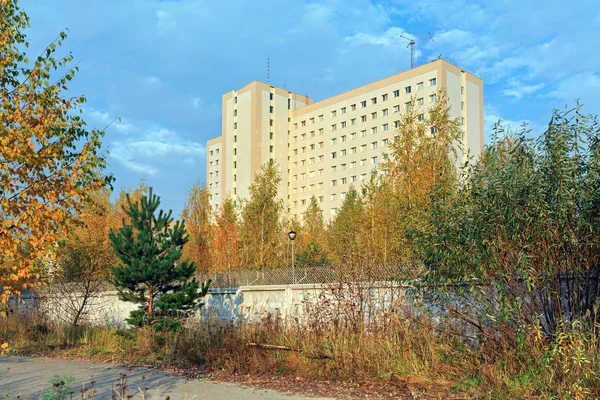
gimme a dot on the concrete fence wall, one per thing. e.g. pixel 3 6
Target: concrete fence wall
pixel 246 303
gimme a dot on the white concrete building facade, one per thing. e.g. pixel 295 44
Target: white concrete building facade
pixel 321 148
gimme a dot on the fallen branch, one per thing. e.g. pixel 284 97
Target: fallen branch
pixel 320 356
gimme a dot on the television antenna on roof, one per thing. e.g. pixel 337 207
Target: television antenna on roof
pixel 411 44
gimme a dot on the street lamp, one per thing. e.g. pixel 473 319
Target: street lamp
pixel 292 236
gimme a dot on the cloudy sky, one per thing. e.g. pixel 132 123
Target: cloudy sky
pixel 162 66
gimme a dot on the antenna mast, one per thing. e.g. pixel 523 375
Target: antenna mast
pixel 268 70
pixel 411 45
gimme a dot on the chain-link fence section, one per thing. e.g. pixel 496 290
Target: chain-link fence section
pixel 310 275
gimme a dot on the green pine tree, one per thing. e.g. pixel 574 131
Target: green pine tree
pixel 150 272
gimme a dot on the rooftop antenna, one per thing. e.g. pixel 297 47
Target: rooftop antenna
pixel 268 70
pixel 411 44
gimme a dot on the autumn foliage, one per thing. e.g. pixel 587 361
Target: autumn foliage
pixel 49 161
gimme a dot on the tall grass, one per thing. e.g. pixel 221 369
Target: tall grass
pixel 397 349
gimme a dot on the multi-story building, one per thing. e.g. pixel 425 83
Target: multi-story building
pixel 323 147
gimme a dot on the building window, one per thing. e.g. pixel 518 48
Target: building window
pixel 373 130
pixel 353 136
pixel 333 113
pixel 374 101
pixel 235 164
pixel 235 125
pixel 353 107
pixel 363 118
pixel 312 134
pixel 343 152
pixel 235 100
pixel 312 120
pixel 396 124
pixel 320 131
pixel 353 164
pixel 321 145
pixel 374 160
pixel 373 115
pixel 374 145
pixel 289 104
pixel 384 97
pixel 333 196
pixel 333 168
pixel 462 90
pixel 270 149
pixel 234 153
pixel 333 154
pixel 420 101
pixel 321 117
pixel 407 105
pixel 462 105
pixel 234 138
pixel 353 178
pixel 407 89
pixel 353 150
pixel 270 96
pixel 321 172
pixel 343 110
pixel 235 113
pixel 420 86
pixel 344 181
pixel 363 162
pixel 334 141
pixel 343 138
pixel 353 121
pixel 312 146
pixel 432 82
pixel 385 127
pixel 384 112
pixel 343 167
pixel 333 127
pixel 363 103
pixel 385 142
pixel 334 182
pixel 363 133
pixel 396 108
pixel 303 123
pixel 421 117
pixel 320 199
pixel 396 93
pixel 343 124
pixel 271 109
pixel 433 130
pixel 363 147
pixel 432 98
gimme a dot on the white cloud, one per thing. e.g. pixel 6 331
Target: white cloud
pixel 518 90
pixel 154 149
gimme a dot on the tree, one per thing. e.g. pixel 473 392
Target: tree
pixel 85 256
pixel 312 240
pixel 344 231
pixel 261 227
pixel 49 162
pixel 226 245
pixel 150 272
pixel 422 161
pixel 197 216
pixel 520 242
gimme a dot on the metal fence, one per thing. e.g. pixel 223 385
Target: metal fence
pixel 309 275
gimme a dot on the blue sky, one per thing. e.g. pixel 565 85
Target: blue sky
pixel 162 66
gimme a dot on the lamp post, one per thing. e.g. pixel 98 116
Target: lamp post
pixel 292 236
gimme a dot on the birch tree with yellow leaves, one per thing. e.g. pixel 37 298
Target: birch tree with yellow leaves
pixel 50 162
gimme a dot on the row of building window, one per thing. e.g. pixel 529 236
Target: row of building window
pixel 363 104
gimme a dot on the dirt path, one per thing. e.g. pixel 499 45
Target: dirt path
pixel 29 377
